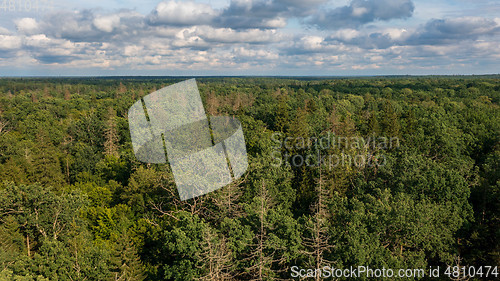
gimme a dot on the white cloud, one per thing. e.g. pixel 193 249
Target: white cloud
pixel 182 13
pixel 107 23
pixel 260 54
pixel 133 50
pixel 249 35
pixel 346 33
pixel 361 12
pixel 275 23
pixel 453 30
pixel 396 33
pixel 4 31
pixel 27 26
pixel 228 35
pixel 312 42
pixel 10 42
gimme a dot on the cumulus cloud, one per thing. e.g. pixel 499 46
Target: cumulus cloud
pixel 107 23
pixel 251 14
pixel 308 44
pixel 240 14
pixel 49 50
pixel 264 14
pixel 249 34
pixel 182 14
pixel 228 35
pixel 445 31
pixel 9 42
pixel 27 25
pixel 375 40
pixel 88 26
pixel 434 32
pixel 361 12
pixel 4 31
pixel 246 53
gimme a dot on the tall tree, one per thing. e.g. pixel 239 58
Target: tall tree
pixel 261 268
pixel 217 260
pixel 111 134
pixel 125 262
pixel 390 120
pixel 316 234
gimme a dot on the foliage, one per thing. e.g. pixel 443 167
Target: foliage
pixel 75 204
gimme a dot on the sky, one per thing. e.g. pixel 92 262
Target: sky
pixel 249 37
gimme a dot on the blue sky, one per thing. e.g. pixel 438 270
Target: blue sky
pixel 249 37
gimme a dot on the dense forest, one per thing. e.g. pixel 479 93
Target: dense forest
pixel 75 204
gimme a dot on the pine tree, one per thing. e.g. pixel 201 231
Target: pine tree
pixel 125 262
pixel 226 199
pixel 390 120
pixel 111 134
pixel 300 127
pixel 316 239
pixel 45 163
pixel 411 122
pixel 262 267
pixel 67 94
pixel 46 93
pixel 216 257
pixel 68 140
pixel 342 125
pixel 212 103
pixel 34 97
pixel 373 125
pixel 236 101
pixel 11 241
pixel 121 90
pixel 282 114
pixel 3 126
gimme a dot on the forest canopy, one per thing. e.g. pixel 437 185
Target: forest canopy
pixel 75 204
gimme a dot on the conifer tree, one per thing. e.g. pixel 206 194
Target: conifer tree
pixel 125 262
pixel 316 234
pixel 226 199
pixel 67 94
pixel 11 241
pixel 390 120
pixel 111 134
pixel 45 164
pixel 215 256
pixel 283 114
pixel 373 125
pixel 262 262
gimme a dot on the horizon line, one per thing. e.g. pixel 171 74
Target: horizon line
pixel 247 76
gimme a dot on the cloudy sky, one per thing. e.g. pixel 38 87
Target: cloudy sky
pixel 249 37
